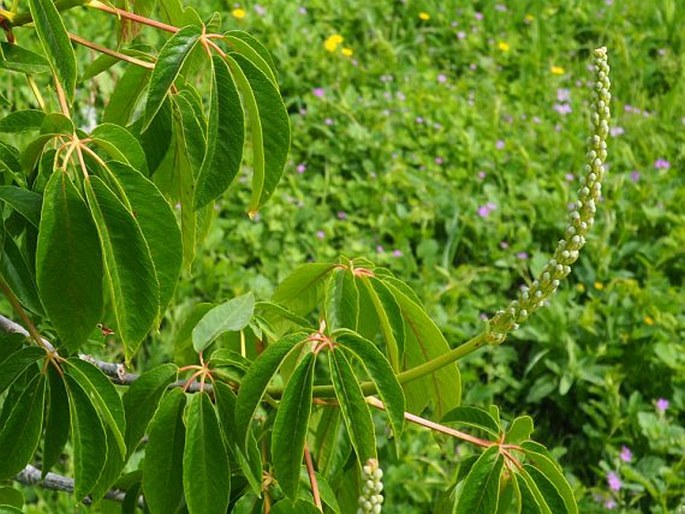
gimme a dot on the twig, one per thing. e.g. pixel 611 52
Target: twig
pixel 312 478
pixel 112 53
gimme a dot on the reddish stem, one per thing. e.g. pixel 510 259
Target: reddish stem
pixel 132 16
pixel 104 50
pixel 312 478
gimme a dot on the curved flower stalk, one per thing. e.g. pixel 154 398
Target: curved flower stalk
pixel 371 499
pixel 581 217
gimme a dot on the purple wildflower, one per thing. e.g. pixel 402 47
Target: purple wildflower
pixel 439 160
pixel 570 177
pixel 442 78
pixel 563 109
pixel 473 66
pixel 461 35
pixel 419 120
pixel 662 404
pixel 481 175
pixel 484 211
pixel 320 234
pixel 302 10
pixel 626 455
pixel 483 316
pixel 662 164
pixel 522 256
pixel 635 176
pixel 563 95
pixel 318 92
pixel 328 121
pixel 260 10
pixel 610 504
pixel 397 253
pixel 617 131
pixel 500 7
pixel 499 144
pixel 379 249
pixel 301 168
pixel 342 215
pixel 613 481
pixel 478 15
pixel 503 245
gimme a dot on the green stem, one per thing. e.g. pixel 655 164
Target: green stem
pixel 16 305
pixel 24 18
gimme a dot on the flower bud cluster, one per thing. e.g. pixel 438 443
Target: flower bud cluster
pixel 581 216
pixel 371 499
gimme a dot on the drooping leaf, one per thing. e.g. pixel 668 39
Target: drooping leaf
pixel 56 421
pixel 481 486
pixel 158 224
pixel 10 160
pixel 390 318
pixel 10 509
pixel 16 363
pixel 256 380
pixel 171 58
pixel 290 426
pixel 103 395
pixel 551 495
pixel 425 342
pixel 22 121
pixel 233 315
pixel 353 407
pixel 206 476
pixel 288 506
pixel 129 270
pixel 250 461
pixel 24 201
pixel 249 46
pixel 530 504
pixel 88 438
pixel 20 434
pixel 141 400
pixel 121 145
pixel 111 471
pixel 331 443
pixel 382 375
pixel 542 460
pixel 473 417
pixel 11 497
pixel 123 100
pixel 519 430
pixel 269 125
pixel 225 137
pixel 18 58
pixel 20 277
pixel 163 465
pixel 157 137
pixel 68 262
pixel 300 291
pixel 55 42
pixel 342 300
pixel 509 495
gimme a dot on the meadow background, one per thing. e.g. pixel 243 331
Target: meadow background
pixel 444 140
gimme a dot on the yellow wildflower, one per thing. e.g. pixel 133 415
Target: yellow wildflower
pixel 424 16
pixel 557 70
pixel 529 18
pixel 238 13
pixel 580 288
pixel 599 286
pixel 648 320
pixel 347 52
pixel 504 46
pixel 332 42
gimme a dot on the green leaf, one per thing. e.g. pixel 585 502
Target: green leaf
pixel 519 430
pixel 300 291
pixel 270 310
pixel 353 407
pixel 206 476
pixel 156 139
pixel 481 486
pixel 10 159
pixel 10 497
pixel 288 506
pixel 141 400
pixel 331 444
pixel 250 462
pixel 225 137
pixel 20 434
pixel 22 121
pixel 56 421
pixel 123 100
pixel 543 461
pixel 18 58
pixel 121 145
pixel 230 316
pixel 163 464
pixel 24 201
pixel 252 49
pixel 342 300
pixel 158 224
pixel 55 42
pixel 68 262
pixel 382 375
pixel 473 417
pixel 20 276
pixel 88 438
pixel 529 497
pixel 254 383
pixel 16 363
pixel 509 494
pixel 9 509
pixel 171 58
pixel 269 124
pixel 129 270
pixel 114 465
pixel 548 491
pixel 103 395
pixel 290 426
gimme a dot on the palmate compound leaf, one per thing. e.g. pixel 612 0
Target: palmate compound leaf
pixel 163 464
pixel 381 374
pixel 171 58
pixel 481 486
pixel 269 124
pixel 68 262
pixel 206 472
pixel 256 380
pixel 121 145
pixel 353 407
pixel 103 395
pixel 290 426
pixel 249 46
pixel 55 42
pixel 88 439
pixel 300 291
pixel 157 221
pixel 230 316
pixel 225 136
pixel 129 269
pixel 425 342
pixel 141 400
pixel 20 434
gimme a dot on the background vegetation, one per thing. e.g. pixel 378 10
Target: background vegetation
pixel 444 139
